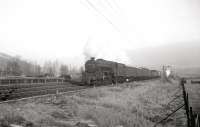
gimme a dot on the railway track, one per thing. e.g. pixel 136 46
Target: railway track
pixel 40 96
pixel 23 92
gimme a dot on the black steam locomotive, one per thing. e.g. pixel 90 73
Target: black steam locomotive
pixel 100 71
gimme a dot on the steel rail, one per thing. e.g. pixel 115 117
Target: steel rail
pixel 45 95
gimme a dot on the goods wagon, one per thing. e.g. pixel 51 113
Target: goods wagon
pixel 131 73
pixel 118 69
pixel 155 73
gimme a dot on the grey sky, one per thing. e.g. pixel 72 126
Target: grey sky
pixel 177 55
pixel 71 30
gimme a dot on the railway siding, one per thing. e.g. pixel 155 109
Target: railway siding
pixel 29 90
pixel 43 94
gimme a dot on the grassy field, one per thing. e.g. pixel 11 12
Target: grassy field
pixel 138 104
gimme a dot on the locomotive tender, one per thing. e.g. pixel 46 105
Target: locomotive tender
pixel 100 71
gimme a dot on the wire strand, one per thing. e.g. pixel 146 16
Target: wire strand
pixel 169 115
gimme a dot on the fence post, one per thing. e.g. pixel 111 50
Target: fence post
pixel 192 119
pixel 197 121
pixel 185 97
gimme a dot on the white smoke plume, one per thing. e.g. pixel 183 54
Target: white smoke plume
pixel 106 49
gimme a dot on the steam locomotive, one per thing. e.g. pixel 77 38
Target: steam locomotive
pixel 100 71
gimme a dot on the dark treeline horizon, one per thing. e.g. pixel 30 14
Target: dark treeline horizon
pixel 16 66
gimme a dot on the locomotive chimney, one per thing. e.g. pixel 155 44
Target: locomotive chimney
pixel 92 58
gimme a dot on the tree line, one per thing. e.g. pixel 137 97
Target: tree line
pixel 18 67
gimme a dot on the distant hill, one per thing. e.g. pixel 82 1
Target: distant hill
pixel 183 57
pixel 188 72
pixel 175 54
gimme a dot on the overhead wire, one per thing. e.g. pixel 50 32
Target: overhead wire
pixel 105 17
pixel 109 20
pixel 109 4
pixel 116 4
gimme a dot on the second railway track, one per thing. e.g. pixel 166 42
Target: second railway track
pixel 30 90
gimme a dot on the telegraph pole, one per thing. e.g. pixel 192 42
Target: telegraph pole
pixel 116 74
pixel 164 73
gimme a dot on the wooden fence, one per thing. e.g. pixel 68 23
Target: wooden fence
pixel 193 119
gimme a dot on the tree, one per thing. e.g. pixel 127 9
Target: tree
pixel 26 68
pixel 51 68
pixel 13 68
pixel 64 70
pixel 55 66
pixel 37 70
pixel 48 69
pixel 81 69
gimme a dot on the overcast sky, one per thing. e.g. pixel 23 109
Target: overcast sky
pixel 73 30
